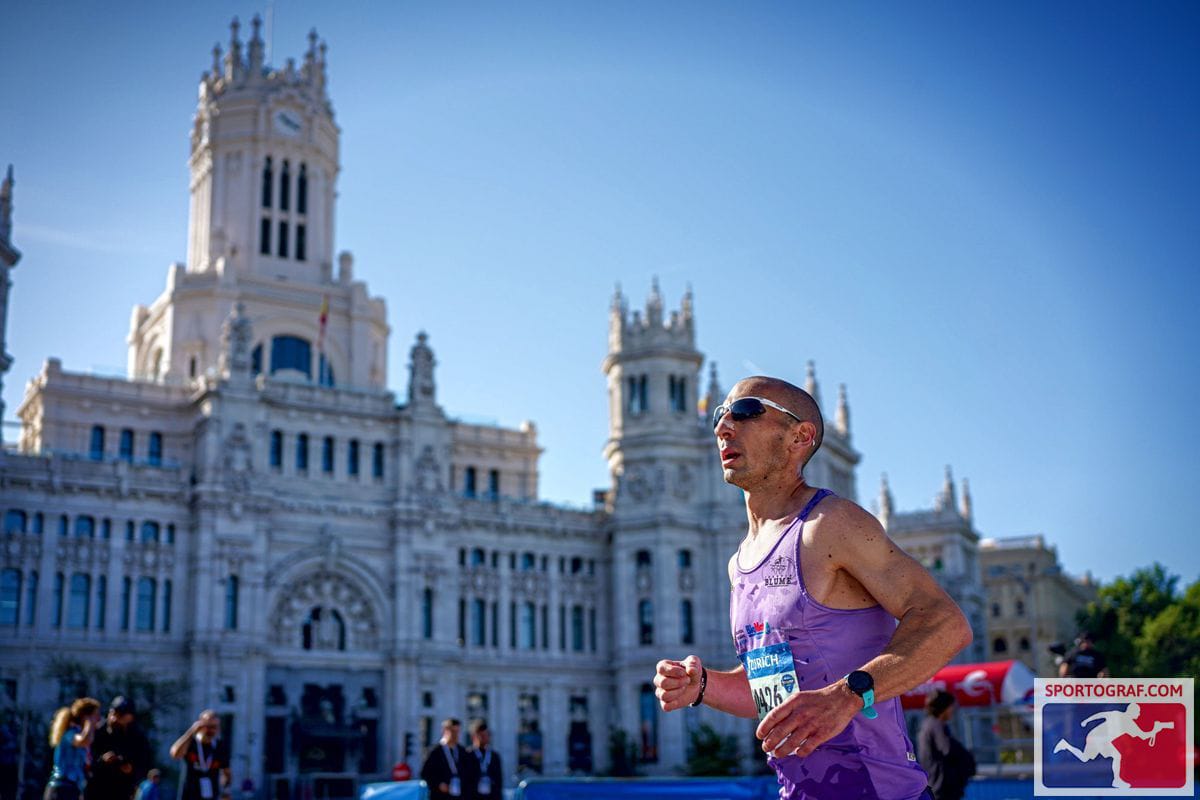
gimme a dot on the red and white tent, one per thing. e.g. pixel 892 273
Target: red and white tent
pixel 991 683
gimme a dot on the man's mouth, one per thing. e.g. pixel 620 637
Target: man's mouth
pixel 728 456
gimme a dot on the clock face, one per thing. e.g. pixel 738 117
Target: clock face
pixel 287 123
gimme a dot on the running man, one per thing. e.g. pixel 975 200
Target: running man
pixel 1099 741
pixel 817 589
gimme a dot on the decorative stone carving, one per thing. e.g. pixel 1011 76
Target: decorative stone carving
pixel 329 592
pixel 238 459
pixel 236 337
pixel 427 480
pixel 685 482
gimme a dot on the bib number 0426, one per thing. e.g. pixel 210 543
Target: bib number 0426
pixel 771 673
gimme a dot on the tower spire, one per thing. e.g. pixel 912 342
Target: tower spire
pixel 886 504
pixel 810 382
pixel 713 395
pixel 966 510
pixel 842 420
pixel 654 306
pixel 233 58
pixel 6 204
pixel 947 500
pixel 256 48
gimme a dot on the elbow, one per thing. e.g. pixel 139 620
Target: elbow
pixel 962 633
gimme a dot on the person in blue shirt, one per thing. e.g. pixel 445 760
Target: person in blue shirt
pixel 148 789
pixel 71 735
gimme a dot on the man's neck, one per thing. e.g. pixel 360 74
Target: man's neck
pixel 767 506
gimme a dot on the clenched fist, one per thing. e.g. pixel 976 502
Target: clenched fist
pixel 677 683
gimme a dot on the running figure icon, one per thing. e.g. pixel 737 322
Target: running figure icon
pixel 1099 742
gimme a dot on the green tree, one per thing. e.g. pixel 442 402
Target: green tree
pixel 710 753
pixel 1122 610
pixel 622 754
pixel 1169 644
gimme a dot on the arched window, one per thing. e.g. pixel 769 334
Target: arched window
pixel 478 557
pixel 96 448
pixel 267 180
pixel 85 527
pixel 302 191
pixel 283 239
pixel 645 622
pixel 999 645
pixel 302 453
pixel 10 597
pixel 1024 645
pixel 264 236
pixel 469 482
pixel 81 595
pixel 301 242
pixel 285 186
pixel 291 352
pixel 687 633
pixel 377 461
pixel 327 455
pixel 147 598
pixel 685 559
pixel 352 458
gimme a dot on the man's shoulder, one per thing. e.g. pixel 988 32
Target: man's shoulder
pixel 836 516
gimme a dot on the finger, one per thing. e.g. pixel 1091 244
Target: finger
pixel 693 666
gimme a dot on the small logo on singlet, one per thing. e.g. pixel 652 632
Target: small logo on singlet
pixel 757 629
pixel 780 571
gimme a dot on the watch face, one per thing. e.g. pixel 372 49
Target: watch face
pixel 287 123
pixel 860 681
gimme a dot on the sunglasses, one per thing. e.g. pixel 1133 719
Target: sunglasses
pixel 745 408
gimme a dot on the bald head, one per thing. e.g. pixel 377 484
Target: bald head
pixel 791 397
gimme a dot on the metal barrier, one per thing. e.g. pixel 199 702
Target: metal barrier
pixel 394 790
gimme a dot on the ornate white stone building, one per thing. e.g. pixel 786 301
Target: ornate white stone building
pixel 335 568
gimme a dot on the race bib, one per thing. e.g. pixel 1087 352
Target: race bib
pixel 206 787
pixel 772 675
pixel 485 785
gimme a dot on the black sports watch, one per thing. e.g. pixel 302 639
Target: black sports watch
pixel 863 685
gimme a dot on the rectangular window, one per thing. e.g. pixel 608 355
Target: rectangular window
pixel 478 623
pixel 101 601
pixel 154 451
pixel 327 455
pixel 687 634
pixel 147 599
pixel 469 482
pixel 528 641
pixel 645 622
pixel 81 596
pixel 150 532
pixel 512 625
pixel 231 603
pixel 129 529
pixel 377 461
pixel 63 525
pixel 302 453
pixel 427 614
pixel 56 599
pixel 126 445
pixel 545 627
pixel 276 450
pixel 85 528
pixel 283 239
pixel 462 621
pixel 264 237
pixel 592 629
pixel 106 528
pixel 31 589
pixel 15 521
pixel 577 629
pixel 562 627
pixel 171 533
pixel 126 593
pixel 352 458
pixel 495 624
pixel 493 484
pixel 166 606
pixel 10 597
pixel 301 243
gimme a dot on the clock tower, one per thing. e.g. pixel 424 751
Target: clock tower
pixel 264 162
pixel 260 254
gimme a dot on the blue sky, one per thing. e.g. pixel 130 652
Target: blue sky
pixel 982 219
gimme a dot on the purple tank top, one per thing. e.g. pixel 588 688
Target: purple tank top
pixel 769 605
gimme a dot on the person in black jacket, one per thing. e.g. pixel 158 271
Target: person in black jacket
pixel 485 778
pixel 948 764
pixel 120 754
pixel 445 768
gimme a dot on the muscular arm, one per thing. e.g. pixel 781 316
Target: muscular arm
pixel 931 629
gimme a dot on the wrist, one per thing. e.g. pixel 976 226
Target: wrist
pixel 703 686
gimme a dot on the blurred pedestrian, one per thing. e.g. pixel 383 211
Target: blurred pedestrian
pixel 205 756
pixel 1085 661
pixel 444 766
pixel 71 734
pixel 120 754
pixel 148 789
pixel 486 777
pixel 948 764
